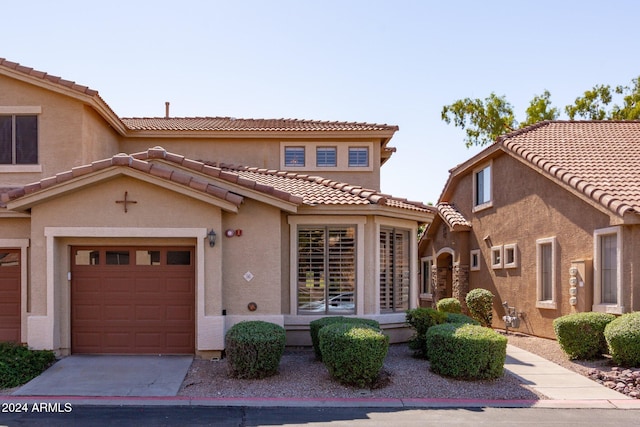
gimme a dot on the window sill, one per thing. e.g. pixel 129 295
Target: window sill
pixel 20 168
pixel 548 305
pixel 607 308
pixel 483 206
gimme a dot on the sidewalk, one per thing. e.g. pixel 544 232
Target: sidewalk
pixel 562 387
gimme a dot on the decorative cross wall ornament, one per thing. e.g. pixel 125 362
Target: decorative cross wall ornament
pixel 125 201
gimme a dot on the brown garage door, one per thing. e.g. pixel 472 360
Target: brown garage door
pixel 10 295
pixel 128 300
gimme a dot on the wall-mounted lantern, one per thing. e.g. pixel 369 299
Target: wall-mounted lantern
pixel 211 236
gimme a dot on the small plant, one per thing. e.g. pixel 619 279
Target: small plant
pixel 353 354
pixel 466 351
pixel 480 304
pixel 254 349
pixel 449 305
pixel 421 319
pixel 316 325
pixel 581 335
pixel 623 337
pixel 19 364
pixel 461 318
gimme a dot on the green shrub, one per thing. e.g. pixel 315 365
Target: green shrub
pixel 19 365
pixel 353 354
pixel 421 319
pixel 623 337
pixel 466 351
pixel 449 305
pixel 480 304
pixel 316 325
pixel 581 335
pixel 254 349
pixel 461 318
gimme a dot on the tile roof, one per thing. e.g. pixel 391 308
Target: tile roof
pixel 290 187
pixel 600 159
pixel 233 124
pixel 452 217
pixel 48 77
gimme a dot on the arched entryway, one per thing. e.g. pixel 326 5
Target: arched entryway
pixel 443 275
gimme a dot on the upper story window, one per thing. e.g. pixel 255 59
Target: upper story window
pixel 18 139
pixel 294 157
pixel 482 187
pixel 358 156
pixel 326 157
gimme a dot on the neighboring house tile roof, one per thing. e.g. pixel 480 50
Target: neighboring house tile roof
pixel 600 159
pixel 290 187
pixel 233 124
pixel 452 217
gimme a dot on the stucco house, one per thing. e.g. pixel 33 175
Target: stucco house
pixel 547 218
pixel 155 235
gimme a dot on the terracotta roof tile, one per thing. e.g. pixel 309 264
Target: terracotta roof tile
pixel 600 159
pixel 233 124
pixel 452 217
pixel 291 187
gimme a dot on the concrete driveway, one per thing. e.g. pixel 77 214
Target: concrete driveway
pixel 106 375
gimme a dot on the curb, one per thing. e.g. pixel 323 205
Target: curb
pixel 322 403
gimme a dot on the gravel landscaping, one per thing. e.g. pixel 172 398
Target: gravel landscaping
pixel 403 376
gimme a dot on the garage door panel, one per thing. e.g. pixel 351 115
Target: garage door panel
pixel 87 312
pixel 115 312
pixel 150 312
pixel 137 305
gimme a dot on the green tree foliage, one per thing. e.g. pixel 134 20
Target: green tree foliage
pixel 484 120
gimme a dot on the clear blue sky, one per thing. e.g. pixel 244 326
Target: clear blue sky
pixel 396 62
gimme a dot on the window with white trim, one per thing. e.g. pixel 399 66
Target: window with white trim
pixel 474 260
pixel 496 257
pixel 395 273
pixel 326 157
pixel 326 270
pixel 546 272
pixel 482 187
pixel 608 268
pixel 294 157
pixel 358 156
pixel 18 139
pixel 510 255
pixel 427 264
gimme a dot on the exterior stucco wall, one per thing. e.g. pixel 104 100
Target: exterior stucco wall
pixel 263 153
pixel 69 134
pixel 526 207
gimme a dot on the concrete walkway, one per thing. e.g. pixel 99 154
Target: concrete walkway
pixel 140 381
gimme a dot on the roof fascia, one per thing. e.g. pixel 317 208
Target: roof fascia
pixel 276 134
pixel 94 101
pixel 30 200
pixel 378 210
pixel 460 170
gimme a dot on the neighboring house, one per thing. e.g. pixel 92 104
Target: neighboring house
pixel 144 235
pixel 547 219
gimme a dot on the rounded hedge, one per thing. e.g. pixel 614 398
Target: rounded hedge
pixel 316 325
pixel 254 349
pixel 353 354
pixel 449 305
pixel 421 319
pixel 581 335
pixel 480 304
pixel 466 351
pixel 623 337
pixel 461 318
